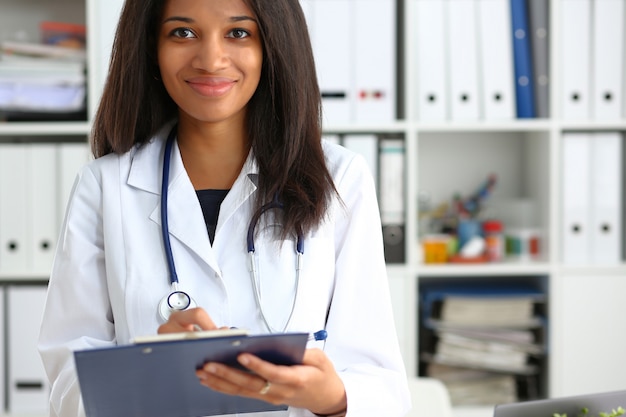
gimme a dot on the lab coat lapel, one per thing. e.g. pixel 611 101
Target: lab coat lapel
pixel 185 218
pixel 241 191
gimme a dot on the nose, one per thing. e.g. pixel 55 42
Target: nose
pixel 211 54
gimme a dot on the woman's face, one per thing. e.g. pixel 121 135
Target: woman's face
pixel 210 57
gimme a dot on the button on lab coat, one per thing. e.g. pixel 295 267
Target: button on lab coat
pixel 110 273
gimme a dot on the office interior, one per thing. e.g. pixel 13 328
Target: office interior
pixel 495 131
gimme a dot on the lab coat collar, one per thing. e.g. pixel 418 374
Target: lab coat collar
pixel 185 218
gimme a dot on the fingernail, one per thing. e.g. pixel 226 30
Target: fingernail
pixel 211 368
pixel 244 360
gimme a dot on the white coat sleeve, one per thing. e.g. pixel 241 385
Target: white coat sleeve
pixel 77 314
pixel 362 342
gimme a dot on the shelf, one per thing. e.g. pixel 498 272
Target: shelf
pixel 44 128
pixel 513 269
pixel 593 125
pixel 594 270
pixel 23 277
pixel 517 125
pixel 391 127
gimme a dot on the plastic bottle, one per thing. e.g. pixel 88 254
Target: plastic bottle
pixel 494 240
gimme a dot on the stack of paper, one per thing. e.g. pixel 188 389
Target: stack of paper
pixel 488 311
pixel 468 387
pixel 485 340
pixel 41 79
pixel 484 351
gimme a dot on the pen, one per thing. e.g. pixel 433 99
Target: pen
pixel 319 335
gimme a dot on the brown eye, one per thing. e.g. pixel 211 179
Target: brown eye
pixel 238 33
pixel 183 33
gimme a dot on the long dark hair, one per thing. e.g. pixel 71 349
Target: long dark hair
pixel 283 117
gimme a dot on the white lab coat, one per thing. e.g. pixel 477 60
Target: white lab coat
pixel 110 273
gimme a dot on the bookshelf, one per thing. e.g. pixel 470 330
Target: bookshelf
pixel 524 153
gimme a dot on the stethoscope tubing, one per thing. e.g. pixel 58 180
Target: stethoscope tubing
pixel 274 204
pixel 164 222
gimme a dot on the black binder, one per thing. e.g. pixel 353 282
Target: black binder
pixel 157 379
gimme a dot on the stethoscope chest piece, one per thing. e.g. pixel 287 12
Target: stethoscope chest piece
pixel 175 301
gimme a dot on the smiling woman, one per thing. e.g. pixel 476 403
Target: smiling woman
pixel 210 58
pixel 210 167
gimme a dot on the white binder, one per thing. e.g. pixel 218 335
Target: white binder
pixel 463 59
pixel 331 33
pixel 28 386
pixel 13 213
pixel 496 59
pixel 575 180
pixel 391 190
pixel 374 60
pixel 367 146
pixel 431 67
pixel 42 207
pixel 606 198
pixel 575 59
pixel 106 13
pixel 2 353
pixel 608 59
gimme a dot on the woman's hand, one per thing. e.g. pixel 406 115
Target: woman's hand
pixel 188 321
pixel 314 385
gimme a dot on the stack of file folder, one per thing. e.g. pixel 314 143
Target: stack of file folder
pixel 41 82
pixel 484 341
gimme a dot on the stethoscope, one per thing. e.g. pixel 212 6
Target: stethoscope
pixel 177 299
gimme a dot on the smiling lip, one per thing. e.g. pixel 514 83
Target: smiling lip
pixel 211 87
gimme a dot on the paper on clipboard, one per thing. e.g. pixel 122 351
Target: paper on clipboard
pixel 202 334
pixel 158 378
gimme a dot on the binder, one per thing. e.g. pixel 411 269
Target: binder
pixel 592 198
pixel 576 197
pixel 391 190
pixel 2 352
pixel 367 146
pixel 431 44
pixel 496 59
pixel 606 198
pixel 522 60
pixel 331 36
pixel 158 379
pixel 374 60
pixel 27 382
pixel 13 201
pixel 42 210
pixel 103 34
pixel 575 69
pixel 608 59
pixel 539 21
pixel 462 59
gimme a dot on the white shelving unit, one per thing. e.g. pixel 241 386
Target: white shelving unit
pixel 586 321
pixel 584 303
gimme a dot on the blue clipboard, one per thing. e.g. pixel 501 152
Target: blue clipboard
pixel 157 379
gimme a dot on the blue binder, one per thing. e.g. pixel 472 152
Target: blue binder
pixel 522 60
pixel 157 379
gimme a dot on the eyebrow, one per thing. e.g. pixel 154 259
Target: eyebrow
pixel 190 20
